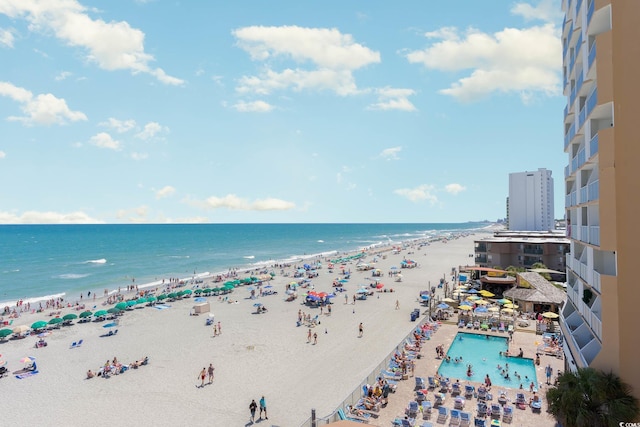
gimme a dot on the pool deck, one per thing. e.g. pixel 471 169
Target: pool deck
pixel 428 364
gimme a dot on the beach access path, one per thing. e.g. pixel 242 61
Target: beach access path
pixel 256 354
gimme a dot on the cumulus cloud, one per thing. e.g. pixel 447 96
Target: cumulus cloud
pixel 63 76
pixel 546 10
pixel 454 188
pixel 150 130
pixel 233 202
pixel 111 45
pixel 36 217
pixel 3 154
pixel 513 60
pixel 134 215
pixel 390 153
pixel 418 194
pixel 6 38
pixel 393 99
pixel 43 109
pixel 166 191
pixel 253 107
pixel 324 58
pixel 104 140
pixel 120 126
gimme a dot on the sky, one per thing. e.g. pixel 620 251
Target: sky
pixel 249 111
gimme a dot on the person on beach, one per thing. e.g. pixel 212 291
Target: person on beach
pixel 309 335
pixel 360 330
pixel 219 329
pixel 203 375
pixel 315 338
pixel 210 371
pixel 548 372
pixel 397 304
pixel 252 408
pixel 263 407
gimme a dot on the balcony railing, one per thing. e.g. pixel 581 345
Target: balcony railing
pixel 592 100
pixel 596 281
pixel 592 55
pixel 533 251
pixel 593 146
pixel 594 235
pixel 582 157
pixel 582 117
pixel 592 6
pixel 570 134
pixel 481 247
pixel 583 195
pixel 584 235
pixel 594 190
pixel 578 5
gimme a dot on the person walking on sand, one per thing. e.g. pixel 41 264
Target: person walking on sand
pixel 252 408
pixel 210 370
pixel 309 335
pixel 397 304
pixel 202 376
pixel 315 338
pixel 360 330
pixel 263 407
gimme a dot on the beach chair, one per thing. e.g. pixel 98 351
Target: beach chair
pixel 443 414
pixel 459 402
pixel 439 399
pixel 351 417
pixel 432 383
pixel 476 325
pixel 494 327
pixel 421 395
pixel 455 389
pixel 536 406
pixel 479 422
pixel 461 324
pixel 412 409
pixel 521 402
pixel 482 393
pixel 468 391
pixel 507 414
pixel 484 327
pixel 411 422
pixel 510 328
pixel 444 385
pixel 420 383
pixel 482 409
pixel 79 343
pixel 495 411
pixel 501 328
pixel 426 424
pixel 465 419
pixel 470 325
pixel 455 417
pixel 426 410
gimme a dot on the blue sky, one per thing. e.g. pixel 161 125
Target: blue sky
pixel 285 111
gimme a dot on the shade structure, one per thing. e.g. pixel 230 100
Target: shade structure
pixel 131 303
pixel 85 314
pixel 486 293
pixel 5 332
pixel 69 316
pixel 20 329
pixel 550 315
pixel 443 306
pixel 114 310
pixel 100 313
pixel 510 305
pixel 504 301
pixel 493 309
pixel 448 300
pixel 198 291
pixel 121 305
pixel 39 324
pixel 507 310
pixel 482 302
pixel 161 297
pixel 151 298
pixel 141 301
pixel 473 298
pixel 465 307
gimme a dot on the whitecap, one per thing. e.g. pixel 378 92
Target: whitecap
pixel 96 261
pixel 320 241
pixel 249 257
pixel 71 276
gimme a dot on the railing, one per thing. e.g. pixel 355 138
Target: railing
pixel 596 281
pixel 582 116
pixel 592 100
pixel 566 171
pixel 594 235
pixel 592 55
pixel 584 233
pixel 574 164
pixel 566 110
pixel 594 190
pixel 592 6
pixel 593 146
pixel 356 394
pixel 533 251
pixel 578 5
pixel 582 157
pixel 570 134
pixel 583 195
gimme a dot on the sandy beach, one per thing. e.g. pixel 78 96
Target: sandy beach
pixel 255 355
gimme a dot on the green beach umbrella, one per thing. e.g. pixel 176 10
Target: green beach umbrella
pixel 55 321
pixel 131 303
pixel 69 316
pixel 39 324
pixel 187 292
pixel 121 305
pixel 151 298
pixel 85 314
pixel 100 313
pixel 172 295
pixel 114 310
pixel 208 290
pixel 141 300
pixel 198 291
pixel 161 297
pixel 5 332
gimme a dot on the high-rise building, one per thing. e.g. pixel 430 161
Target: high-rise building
pixel 601 65
pixel 530 203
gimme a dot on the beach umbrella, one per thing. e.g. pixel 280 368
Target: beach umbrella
pixel 504 301
pixel 486 294
pixel 379 286
pixel 258 304
pixel 507 310
pixel 161 297
pixel 198 291
pixel 187 292
pixel 493 309
pixel 343 281
pixel 482 302
pixel 2 363
pixel 110 325
pixel 121 305
pixel 141 301
pixel 443 306
pixel 151 298
pixel 474 298
pixel 207 290
pixel 172 295
pixel 465 307
pixel 131 303
pixel 481 310
pixel 28 359
pixel 39 324
pixel 100 313
pixel 550 315
pixel 69 316
pixel 511 305
pixel 20 329
pixel 114 310
pixel 5 332
pixel 472 291
pixel 424 297
pixel 448 300
pixel 85 314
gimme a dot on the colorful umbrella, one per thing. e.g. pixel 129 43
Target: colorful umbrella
pixel 39 324
pixel 54 321
pixel 121 305
pixel 5 332
pixel 550 315
pixel 486 293
pixel 85 314
pixel 100 313
pixel 465 307
pixel 69 316
pixel 511 305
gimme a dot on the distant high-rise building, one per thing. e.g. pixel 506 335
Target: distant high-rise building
pixel 601 65
pixel 530 202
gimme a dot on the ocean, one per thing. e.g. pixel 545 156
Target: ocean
pixel 43 261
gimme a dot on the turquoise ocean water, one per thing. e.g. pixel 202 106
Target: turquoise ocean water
pixel 38 261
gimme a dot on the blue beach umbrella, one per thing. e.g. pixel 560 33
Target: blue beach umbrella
pixel 443 306
pixel 472 291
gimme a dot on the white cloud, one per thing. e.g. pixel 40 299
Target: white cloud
pixel 419 193
pixel 253 107
pixel 329 56
pixel 150 130
pixel 390 153
pixel 35 217
pixel 233 202
pixel 104 140
pixel 120 126
pixel 393 99
pixel 43 109
pixel 513 60
pixel 134 215
pixel 63 76
pixel 6 38
pixel 139 156
pixel 546 10
pixel 454 188
pixel 166 191
pixel 3 154
pixel 112 45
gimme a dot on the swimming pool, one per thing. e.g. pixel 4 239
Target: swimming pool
pixel 483 353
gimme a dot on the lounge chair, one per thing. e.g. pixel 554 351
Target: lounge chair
pixel 432 383
pixel 484 327
pixel 348 416
pixel 412 409
pixel 443 414
pixel 476 325
pixel 465 419
pixel 470 325
pixel 421 395
pixel 461 324
pixel 510 328
pixel 74 344
pixel 479 422
pixel 501 328
pixel 459 402
pixel 426 410
pixel 494 328
pixel 426 424
pixel 482 393
pixel 455 417
pixel 482 409
pixel 536 406
pixel 439 399
pixel 496 411
pixel 468 391
pixel 420 383
pixel 455 389
pixel 79 343
pixel 521 402
pixel 507 414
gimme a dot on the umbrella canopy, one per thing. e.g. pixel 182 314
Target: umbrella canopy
pixel 448 300
pixel 110 325
pixel 443 306
pixel 141 301
pixel 509 305
pixel 258 304
pixel 131 303
pixel 472 291
pixel 114 310
pixel 187 292
pixel 482 302
pixel 28 359
pixel 70 316
pixel 481 310
pixel 379 286
pixel 5 332
pixel 121 305
pixel 172 295
pixel 493 309
pixel 474 298
pixel 507 310
pixel 39 324
pixel 550 315
pixel 151 298
pixel 504 301
pixel 164 296
pixel 20 329
pixel 465 307
pixel 100 313
pixel 54 321
pixel 487 294
pixel 85 314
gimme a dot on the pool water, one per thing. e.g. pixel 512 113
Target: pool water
pixel 483 353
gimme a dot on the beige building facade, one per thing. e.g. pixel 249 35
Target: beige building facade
pixel 601 66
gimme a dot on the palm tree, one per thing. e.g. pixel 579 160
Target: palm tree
pixel 590 397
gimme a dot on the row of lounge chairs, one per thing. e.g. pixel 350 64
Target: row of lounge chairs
pixel 494 327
